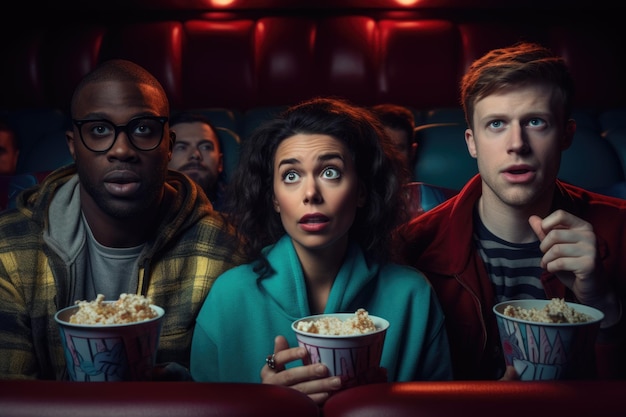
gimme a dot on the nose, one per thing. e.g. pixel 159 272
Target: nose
pixel 122 148
pixel 311 193
pixel 518 141
pixel 195 154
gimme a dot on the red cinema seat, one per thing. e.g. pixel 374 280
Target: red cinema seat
pixel 596 62
pixel 151 399
pixel 218 63
pixel 284 60
pixel 346 58
pixel 69 53
pixel 480 399
pixel 419 63
pixel 156 46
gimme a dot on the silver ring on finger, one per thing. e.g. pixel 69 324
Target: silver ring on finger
pixel 270 360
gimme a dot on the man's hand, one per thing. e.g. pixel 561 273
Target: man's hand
pixel 570 252
pixel 569 247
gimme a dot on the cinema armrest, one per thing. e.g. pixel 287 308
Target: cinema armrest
pixel 153 399
pixel 480 398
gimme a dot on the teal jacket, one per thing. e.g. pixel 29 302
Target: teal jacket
pixel 243 313
pixel 41 256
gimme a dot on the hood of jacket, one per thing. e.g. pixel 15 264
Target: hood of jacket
pixel 55 205
pixel 288 278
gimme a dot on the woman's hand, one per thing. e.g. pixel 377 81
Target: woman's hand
pixel 313 380
pixel 510 374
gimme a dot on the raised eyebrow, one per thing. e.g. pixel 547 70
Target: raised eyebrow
pixel 330 156
pixel 288 161
pixel 323 158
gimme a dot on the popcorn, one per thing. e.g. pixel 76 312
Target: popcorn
pixel 556 311
pixel 359 324
pixel 129 308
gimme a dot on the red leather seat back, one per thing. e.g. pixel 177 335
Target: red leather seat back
pixel 151 399
pixel 479 38
pixel 283 58
pixel 218 63
pixel 70 52
pixel 596 62
pixel 480 399
pixel 245 59
pixel 419 63
pixel 156 46
pixel 21 72
pixel 346 58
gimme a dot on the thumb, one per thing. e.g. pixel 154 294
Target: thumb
pixel 510 374
pixel 280 343
pixel 535 223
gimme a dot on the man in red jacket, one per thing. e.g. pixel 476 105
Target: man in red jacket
pixel 516 231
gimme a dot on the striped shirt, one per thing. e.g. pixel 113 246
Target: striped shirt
pixel 514 268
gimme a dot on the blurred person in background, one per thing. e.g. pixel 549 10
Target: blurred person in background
pixel 9 148
pixel 198 154
pixel 399 123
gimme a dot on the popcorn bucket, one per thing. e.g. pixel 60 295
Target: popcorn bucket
pixel 109 352
pixel 350 355
pixel 548 351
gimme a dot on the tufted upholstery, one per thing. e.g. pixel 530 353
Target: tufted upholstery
pixel 246 60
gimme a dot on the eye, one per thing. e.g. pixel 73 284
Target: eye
pixel 496 124
pixel 142 130
pixel 291 177
pixel 206 147
pixel 98 129
pixel 331 173
pixel 536 122
pixel 148 128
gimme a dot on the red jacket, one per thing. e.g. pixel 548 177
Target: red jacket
pixel 440 243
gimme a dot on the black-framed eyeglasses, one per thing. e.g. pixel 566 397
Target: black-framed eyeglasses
pixel 144 133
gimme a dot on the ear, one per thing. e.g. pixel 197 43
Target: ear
pixel 171 144
pixel 69 138
pixel 220 163
pixel 276 206
pixel 470 142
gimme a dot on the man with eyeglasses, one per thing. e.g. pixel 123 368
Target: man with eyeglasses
pixel 116 221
